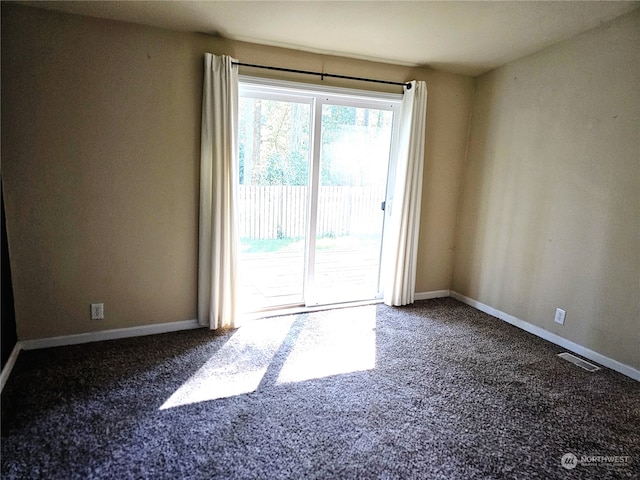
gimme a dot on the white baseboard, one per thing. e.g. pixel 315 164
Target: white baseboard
pixel 430 295
pixel 551 337
pixel 109 334
pixel 11 361
pixel 192 324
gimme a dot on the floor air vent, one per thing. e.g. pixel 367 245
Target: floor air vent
pixel 578 361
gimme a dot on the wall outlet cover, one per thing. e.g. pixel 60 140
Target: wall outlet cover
pixel 97 311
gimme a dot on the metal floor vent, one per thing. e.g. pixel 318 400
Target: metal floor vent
pixel 578 361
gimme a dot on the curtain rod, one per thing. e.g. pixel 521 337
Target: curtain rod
pixel 322 75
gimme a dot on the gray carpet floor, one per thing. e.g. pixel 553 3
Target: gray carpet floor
pixel 436 390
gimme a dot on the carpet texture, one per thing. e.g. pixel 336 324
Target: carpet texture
pixel 437 390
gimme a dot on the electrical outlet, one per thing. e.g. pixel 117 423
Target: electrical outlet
pixel 97 311
pixel 560 313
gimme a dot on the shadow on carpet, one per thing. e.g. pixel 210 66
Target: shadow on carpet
pixel 437 390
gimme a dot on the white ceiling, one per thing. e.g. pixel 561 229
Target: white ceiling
pixel 460 37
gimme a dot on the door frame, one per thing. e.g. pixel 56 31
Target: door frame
pixel 317 96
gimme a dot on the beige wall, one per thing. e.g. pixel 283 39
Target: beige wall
pixel 550 212
pixel 100 140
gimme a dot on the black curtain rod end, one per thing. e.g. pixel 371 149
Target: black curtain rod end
pixel 408 85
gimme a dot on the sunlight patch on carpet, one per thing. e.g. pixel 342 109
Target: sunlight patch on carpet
pixel 340 343
pixel 238 367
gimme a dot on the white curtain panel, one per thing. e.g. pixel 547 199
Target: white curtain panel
pixel 402 253
pixel 218 235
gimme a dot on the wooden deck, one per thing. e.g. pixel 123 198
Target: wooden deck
pixel 277 278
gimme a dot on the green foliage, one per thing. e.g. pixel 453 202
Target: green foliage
pixel 284 171
pixel 275 143
pixel 269 245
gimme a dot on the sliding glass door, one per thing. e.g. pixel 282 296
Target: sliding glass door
pixel 347 221
pixel 313 179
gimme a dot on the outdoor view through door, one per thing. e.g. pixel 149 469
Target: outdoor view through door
pixel 313 170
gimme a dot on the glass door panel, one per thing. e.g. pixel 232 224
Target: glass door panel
pixel 352 179
pixel 274 149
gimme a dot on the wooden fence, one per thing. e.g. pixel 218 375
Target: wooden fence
pixel 270 212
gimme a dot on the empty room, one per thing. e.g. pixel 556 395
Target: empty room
pixel 320 239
